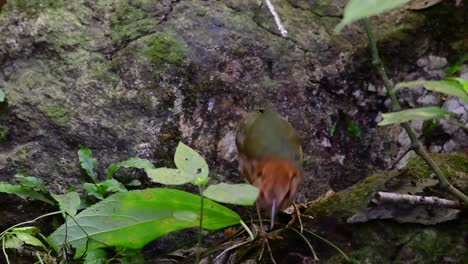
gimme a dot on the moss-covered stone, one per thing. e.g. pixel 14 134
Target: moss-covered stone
pixel 130 20
pixel 60 115
pixel 384 241
pixel 164 47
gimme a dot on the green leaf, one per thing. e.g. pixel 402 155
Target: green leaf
pixel 190 162
pixel 13 242
pixel 24 192
pixel 353 128
pixel 95 256
pixel 26 229
pixel 131 257
pixel 2 96
pixel 357 9
pixel 413 114
pixel 87 162
pixel 241 194
pixel 93 190
pixel 31 182
pixel 130 163
pixel 446 87
pixel 133 183
pixel 463 83
pixel 69 202
pixel 135 218
pixel 29 239
pixel 457 67
pixel 168 176
pixel 102 189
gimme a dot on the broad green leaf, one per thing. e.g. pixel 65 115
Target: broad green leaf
pixel 2 96
pixel 31 182
pixel 29 239
pixel 463 83
pixel 130 163
pixel 133 219
pixel 24 192
pixel 95 256
pixel 413 114
pixel 87 162
pixel 168 176
pixel 241 194
pixel 190 162
pixel 357 9
pixel 26 229
pixel 446 87
pixel 69 202
pixel 13 242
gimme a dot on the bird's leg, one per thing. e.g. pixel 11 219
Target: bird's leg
pixel 264 236
pixel 296 215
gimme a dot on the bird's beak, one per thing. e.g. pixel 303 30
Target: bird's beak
pixel 273 214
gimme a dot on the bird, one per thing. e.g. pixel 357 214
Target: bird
pixel 270 158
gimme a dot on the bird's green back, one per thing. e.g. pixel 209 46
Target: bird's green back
pixel 268 135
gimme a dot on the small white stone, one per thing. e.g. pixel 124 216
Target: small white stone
pixel 325 142
pixel 428 99
pixel 450 145
pixel 435 148
pixel 227 147
pixel 338 158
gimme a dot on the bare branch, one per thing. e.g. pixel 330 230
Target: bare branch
pixel 280 25
pixel 398 198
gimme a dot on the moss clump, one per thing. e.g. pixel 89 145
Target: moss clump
pixel 345 203
pixel 454 166
pixel 59 115
pixel 33 6
pixel 163 47
pixel 130 21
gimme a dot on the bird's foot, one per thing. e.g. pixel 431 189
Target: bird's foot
pixel 297 216
pixel 265 238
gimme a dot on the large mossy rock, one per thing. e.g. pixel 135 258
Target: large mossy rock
pixel 386 241
pixel 131 78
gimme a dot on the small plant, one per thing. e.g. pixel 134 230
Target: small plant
pixel 122 219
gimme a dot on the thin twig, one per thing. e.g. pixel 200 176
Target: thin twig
pixel 415 144
pixel 388 197
pixel 308 243
pixel 280 25
pixel 329 243
pixel 4 251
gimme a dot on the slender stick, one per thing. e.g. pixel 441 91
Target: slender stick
pixel 388 197
pixel 280 25
pixel 415 144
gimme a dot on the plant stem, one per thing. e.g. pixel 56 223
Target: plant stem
pixel 415 144
pixel 200 235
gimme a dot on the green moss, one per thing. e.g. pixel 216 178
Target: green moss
pixel 131 21
pixel 454 166
pixel 59 115
pixel 33 6
pixel 163 47
pixel 345 203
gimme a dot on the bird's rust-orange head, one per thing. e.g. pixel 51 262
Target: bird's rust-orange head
pixel 277 180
